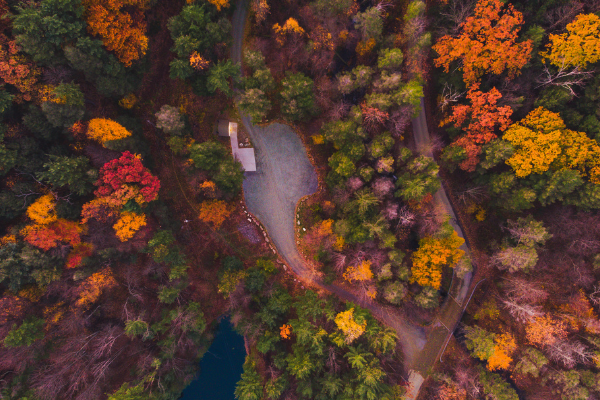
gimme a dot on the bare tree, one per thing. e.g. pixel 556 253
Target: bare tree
pixel 522 312
pixel 570 353
pixel 564 78
pixel 522 290
pixel 559 17
pixel 457 12
pixel 449 97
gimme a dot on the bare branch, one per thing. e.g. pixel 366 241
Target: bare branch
pixel 564 78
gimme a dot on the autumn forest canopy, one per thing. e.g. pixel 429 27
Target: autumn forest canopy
pixel 454 233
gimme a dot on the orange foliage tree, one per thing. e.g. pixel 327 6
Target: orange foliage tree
pixel 121 25
pixel 103 130
pixel 359 272
pixel 214 212
pixel 504 346
pixel 93 287
pixel 579 47
pixel 219 4
pixel 42 211
pixel 482 116
pixel 487 43
pixel 285 331
pixel 433 254
pixel 545 330
pixel 128 224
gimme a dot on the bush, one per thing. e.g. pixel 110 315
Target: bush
pixel 170 120
pixel 25 335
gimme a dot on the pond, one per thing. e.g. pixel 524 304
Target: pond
pixel 220 368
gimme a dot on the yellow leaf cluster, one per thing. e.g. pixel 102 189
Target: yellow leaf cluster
pixel 53 314
pixel 579 47
pixel 42 211
pixel 360 272
pixel 128 225
pixel 542 142
pixel 94 286
pixel 346 323
pixel 291 26
pixel 339 243
pixel 128 101
pixel 503 349
pixel 103 130
pixel 433 254
pixel 8 239
pixel 364 48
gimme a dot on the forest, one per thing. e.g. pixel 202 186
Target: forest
pixel 451 250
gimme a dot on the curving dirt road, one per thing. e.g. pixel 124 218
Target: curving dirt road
pixel 284 175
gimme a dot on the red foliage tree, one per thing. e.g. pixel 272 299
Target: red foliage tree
pixel 78 253
pixel 127 172
pixel 483 116
pixel 48 236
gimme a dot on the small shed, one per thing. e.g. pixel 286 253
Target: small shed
pixel 245 156
pixel 223 127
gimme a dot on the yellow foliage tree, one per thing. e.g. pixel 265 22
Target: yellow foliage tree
pixel 198 62
pixel 346 323
pixel 93 287
pixel 291 26
pixel 128 225
pixel 103 130
pixel 433 254
pixel 579 47
pixel 42 211
pixel 214 212
pixel 360 272
pixel 503 349
pixel 542 142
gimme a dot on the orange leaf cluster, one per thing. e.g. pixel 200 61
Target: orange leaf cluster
pixel 93 287
pixel 198 62
pixel 103 130
pixel 10 307
pixel 487 43
pixel 128 101
pixel 433 254
pixel 483 116
pixel 360 272
pixel 545 330
pixel 364 48
pixel 219 4
pixel 128 225
pixel 121 25
pixel 101 208
pixel 321 39
pixel 285 331
pixel 503 349
pixel 214 212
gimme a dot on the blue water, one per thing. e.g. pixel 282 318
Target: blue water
pixel 220 368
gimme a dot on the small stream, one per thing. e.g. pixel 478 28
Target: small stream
pixel 220 368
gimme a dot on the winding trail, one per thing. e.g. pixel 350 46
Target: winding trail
pixel 284 175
